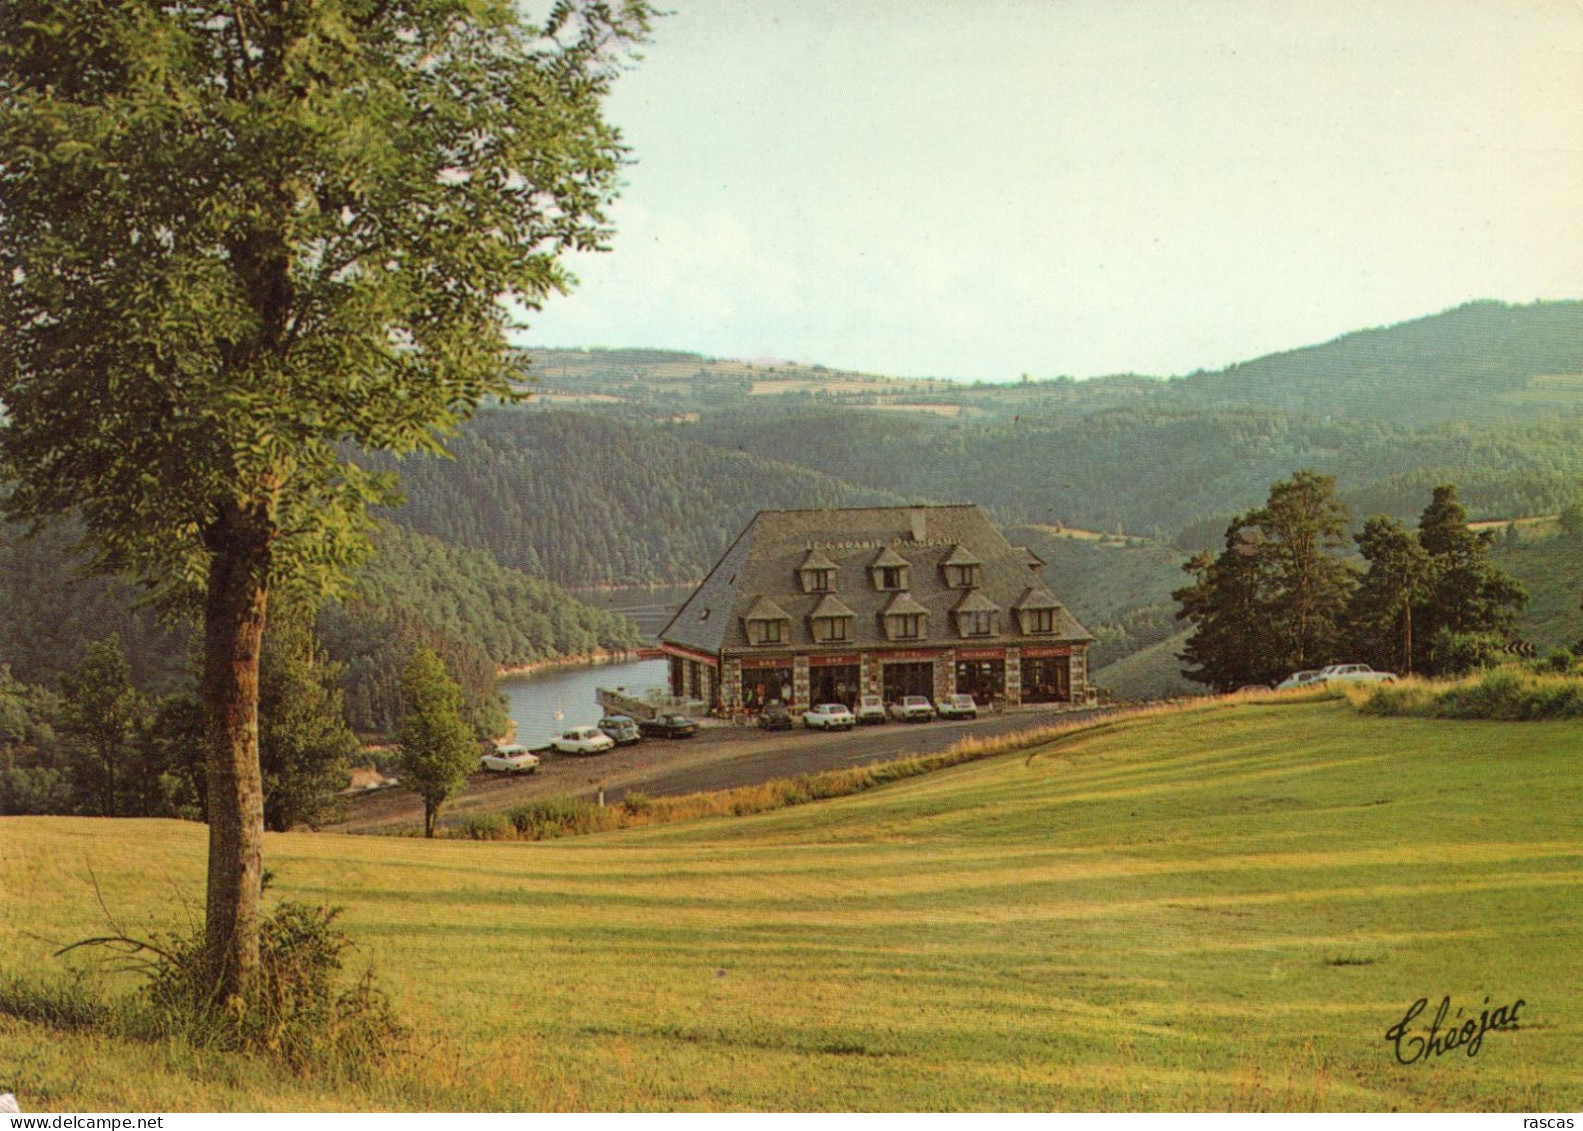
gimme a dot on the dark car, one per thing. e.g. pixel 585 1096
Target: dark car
pixel 669 726
pixel 775 717
pixel 621 728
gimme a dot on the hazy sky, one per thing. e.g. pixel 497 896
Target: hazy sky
pixel 984 189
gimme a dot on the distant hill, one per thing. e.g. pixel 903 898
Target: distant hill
pixel 1478 360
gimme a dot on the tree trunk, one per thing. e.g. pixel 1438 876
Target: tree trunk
pixel 233 632
pixel 1408 610
pixel 430 811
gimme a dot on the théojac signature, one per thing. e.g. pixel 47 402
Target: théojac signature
pixel 1438 1039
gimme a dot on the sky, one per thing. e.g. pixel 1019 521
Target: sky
pixel 1077 187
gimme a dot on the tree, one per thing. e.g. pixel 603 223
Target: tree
pixel 237 237
pixel 1232 645
pixel 1271 602
pixel 438 749
pixel 100 722
pixel 1469 596
pixel 304 744
pixel 1380 616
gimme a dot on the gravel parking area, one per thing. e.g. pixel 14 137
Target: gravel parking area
pixel 720 757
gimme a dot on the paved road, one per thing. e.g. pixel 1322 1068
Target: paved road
pixel 718 758
pixel 786 754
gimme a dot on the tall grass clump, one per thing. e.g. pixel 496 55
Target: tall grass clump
pixel 298 1014
pixel 1508 694
pixel 549 817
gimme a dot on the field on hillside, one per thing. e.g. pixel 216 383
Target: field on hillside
pixel 1223 907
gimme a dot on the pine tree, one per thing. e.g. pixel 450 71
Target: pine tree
pixel 1272 601
pixel 1473 605
pixel 1380 617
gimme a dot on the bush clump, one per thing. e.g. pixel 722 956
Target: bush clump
pixel 483 826
pixel 1507 694
pixel 295 1013
pixel 548 817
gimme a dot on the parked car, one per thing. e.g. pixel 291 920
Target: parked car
pixel 912 709
pixel 774 716
pixel 829 716
pixel 583 740
pixel 869 709
pixel 957 707
pixel 510 760
pixel 669 725
pixel 1298 679
pixel 1354 673
pixel 621 728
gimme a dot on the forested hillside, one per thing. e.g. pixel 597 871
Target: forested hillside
pixel 1154 469
pixel 595 501
pixel 51 607
pixel 414 590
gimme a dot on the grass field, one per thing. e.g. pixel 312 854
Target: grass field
pixel 1225 907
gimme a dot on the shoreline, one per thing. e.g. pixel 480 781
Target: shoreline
pixel 598 658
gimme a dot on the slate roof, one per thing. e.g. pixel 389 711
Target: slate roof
pixel 974 601
pixel 832 606
pixel 763 562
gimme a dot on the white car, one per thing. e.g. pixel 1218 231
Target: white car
pixel 1298 679
pixel 957 707
pixel 829 716
pixel 870 709
pixel 1354 673
pixel 583 740
pixel 510 760
pixel 912 709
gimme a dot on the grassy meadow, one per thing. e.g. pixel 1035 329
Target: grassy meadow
pixel 1222 907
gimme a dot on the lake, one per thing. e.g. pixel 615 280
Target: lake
pixel 532 701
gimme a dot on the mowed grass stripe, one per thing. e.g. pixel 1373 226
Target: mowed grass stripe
pixel 1216 908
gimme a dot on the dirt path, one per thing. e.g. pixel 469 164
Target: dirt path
pixel 718 758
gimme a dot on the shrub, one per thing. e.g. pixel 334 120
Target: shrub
pixel 1509 694
pixel 1457 653
pixel 483 826
pixel 295 1013
pixel 549 817
pixel 636 802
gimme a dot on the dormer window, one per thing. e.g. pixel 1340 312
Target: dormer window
pixel 963 569
pixel 904 618
pixel 831 621
pixel 767 623
pixel 817 573
pixel 976 614
pixel 827 630
pixel 889 571
pixel 1037 611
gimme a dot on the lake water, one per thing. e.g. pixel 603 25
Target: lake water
pixel 532 701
